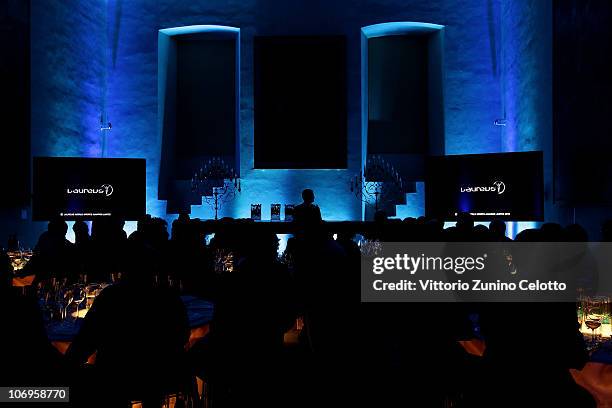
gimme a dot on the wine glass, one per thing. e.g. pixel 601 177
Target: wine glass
pixel 171 282
pixel 91 291
pixel 593 318
pixel 604 304
pixel 581 310
pixel 66 299
pixel 79 296
pixel 607 312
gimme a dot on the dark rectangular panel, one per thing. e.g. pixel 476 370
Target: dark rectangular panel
pixel 398 95
pixel 300 102
pixel 582 103
pixel 84 188
pixel 15 102
pixel 506 186
pixel 206 102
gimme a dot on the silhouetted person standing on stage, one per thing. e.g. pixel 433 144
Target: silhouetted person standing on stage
pixel 308 212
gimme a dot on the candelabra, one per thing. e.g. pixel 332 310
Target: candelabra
pixel 216 182
pixel 378 183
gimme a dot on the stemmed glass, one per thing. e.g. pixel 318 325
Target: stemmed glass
pixel 91 291
pixel 79 295
pixel 224 261
pixel 594 316
pixel 66 298
pixel 581 311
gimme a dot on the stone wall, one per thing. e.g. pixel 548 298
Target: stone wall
pixel 90 57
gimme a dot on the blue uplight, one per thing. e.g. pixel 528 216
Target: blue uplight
pixel 399 28
pixel 199 29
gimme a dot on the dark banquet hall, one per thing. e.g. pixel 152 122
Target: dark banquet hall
pixel 306 203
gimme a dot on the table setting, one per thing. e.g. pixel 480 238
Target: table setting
pixel 64 306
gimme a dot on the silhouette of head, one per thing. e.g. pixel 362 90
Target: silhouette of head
pixel 80 229
pixel 529 235
pixel 576 233
pixel 143 222
pixel 308 196
pixel 481 229
pixel 465 222
pixel 551 232
pixel 157 230
pixel 58 227
pixel 498 228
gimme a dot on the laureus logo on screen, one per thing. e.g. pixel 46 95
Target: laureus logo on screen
pixel 104 189
pixel 496 187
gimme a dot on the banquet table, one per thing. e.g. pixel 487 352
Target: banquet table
pixel 199 312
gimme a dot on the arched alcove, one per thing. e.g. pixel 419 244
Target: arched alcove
pixel 402 105
pixel 198 105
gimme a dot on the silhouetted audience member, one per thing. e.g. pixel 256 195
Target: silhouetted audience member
pixel 157 234
pixel 464 230
pixel 575 233
pixel 108 243
pixel 481 233
pixel 380 230
pixel 330 305
pixel 254 307
pixel 82 247
pixel 26 355
pixel 529 235
pixel 193 267
pixel 81 233
pixel 53 253
pixel 579 262
pixel 139 234
pixel 498 230
pixel 518 372
pixel 138 332
pixel 551 232
pixel 465 222
pixel 180 227
pixel 391 344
